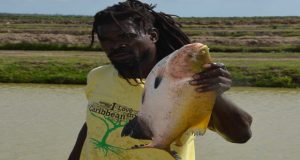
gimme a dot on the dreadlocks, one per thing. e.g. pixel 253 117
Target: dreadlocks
pixel 171 36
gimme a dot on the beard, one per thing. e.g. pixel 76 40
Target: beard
pixel 129 68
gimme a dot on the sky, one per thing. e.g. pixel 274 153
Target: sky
pixel 183 8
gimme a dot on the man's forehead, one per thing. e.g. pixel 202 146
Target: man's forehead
pixel 124 26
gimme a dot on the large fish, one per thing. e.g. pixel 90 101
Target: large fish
pixel 170 105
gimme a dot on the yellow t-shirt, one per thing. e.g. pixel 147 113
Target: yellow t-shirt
pixel 112 102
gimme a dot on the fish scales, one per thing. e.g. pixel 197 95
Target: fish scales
pixel 170 105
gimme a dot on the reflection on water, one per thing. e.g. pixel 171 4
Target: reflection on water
pixel 42 122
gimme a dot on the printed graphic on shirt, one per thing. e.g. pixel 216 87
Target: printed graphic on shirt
pixel 113 116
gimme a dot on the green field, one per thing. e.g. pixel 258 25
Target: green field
pixel 71 67
pixel 258 51
pixel 232 34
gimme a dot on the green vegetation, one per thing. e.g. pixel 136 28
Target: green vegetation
pixel 49 47
pixel 264 72
pixel 231 34
pixel 262 69
pixel 281 48
pixel 250 69
pixel 240 20
pixel 258 51
pixel 48 67
pixel 40 18
pixel 240 33
pixel 96 47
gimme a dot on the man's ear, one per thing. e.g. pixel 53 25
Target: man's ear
pixel 153 32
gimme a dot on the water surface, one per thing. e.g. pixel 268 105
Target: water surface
pixel 42 122
pixel 275 127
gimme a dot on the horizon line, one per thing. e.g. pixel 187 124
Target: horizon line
pixel 59 14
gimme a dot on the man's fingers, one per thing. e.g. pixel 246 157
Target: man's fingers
pixel 214 80
pixel 211 66
pixel 219 88
pixel 212 73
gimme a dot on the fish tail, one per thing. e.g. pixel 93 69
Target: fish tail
pixel 136 130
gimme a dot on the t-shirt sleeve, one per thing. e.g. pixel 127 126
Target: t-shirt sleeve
pixel 92 77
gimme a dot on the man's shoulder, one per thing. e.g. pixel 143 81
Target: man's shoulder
pixel 100 71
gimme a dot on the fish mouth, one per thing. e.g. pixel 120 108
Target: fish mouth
pixel 199 53
pixel 199 58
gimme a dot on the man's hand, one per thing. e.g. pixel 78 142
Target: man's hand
pixel 227 119
pixel 215 77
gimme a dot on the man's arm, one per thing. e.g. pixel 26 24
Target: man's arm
pixel 230 121
pixel 227 118
pixel 75 154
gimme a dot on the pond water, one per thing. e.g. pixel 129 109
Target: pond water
pixel 42 122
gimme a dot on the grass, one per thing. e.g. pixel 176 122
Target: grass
pixel 191 30
pixel 232 48
pixel 40 18
pixel 262 34
pixel 260 55
pixel 49 67
pixel 48 47
pixel 96 47
pixel 239 20
pixel 71 67
pixel 197 20
pixel 272 61
pixel 241 33
pixel 241 26
pixel 263 69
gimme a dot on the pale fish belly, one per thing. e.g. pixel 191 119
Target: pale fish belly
pixel 173 110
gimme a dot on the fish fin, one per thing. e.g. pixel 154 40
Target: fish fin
pixel 175 155
pixel 197 130
pixel 178 142
pixel 183 138
pixel 158 153
pixel 136 130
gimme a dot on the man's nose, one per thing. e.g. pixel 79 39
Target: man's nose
pixel 117 46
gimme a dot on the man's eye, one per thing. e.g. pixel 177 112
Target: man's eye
pixel 129 36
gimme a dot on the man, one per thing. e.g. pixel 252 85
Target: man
pixel 135 38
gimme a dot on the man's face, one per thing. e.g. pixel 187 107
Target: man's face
pixel 131 50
